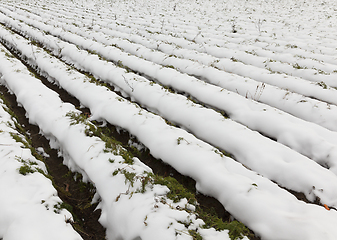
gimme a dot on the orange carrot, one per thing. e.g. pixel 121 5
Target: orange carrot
pixel 326 207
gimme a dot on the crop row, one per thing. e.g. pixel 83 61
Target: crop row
pixel 201 106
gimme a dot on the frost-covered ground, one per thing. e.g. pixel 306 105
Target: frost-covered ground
pixel 241 96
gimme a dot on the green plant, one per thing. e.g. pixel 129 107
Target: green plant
pixel 234 59
pixel 251 52
pixel 68 174
pixel 145 180
pixel 59 206
pixel 82 186
pixel 291 46
pixel 26 169
pixel 177 190
pixel 195 235
pixel 129 177
pixel 221 153
pixel 170 66
pixel 77 118
pixel 111 144
pixel 120 64
pixel 319 71
pixel 127 156
pixel 180 139
pixel 322 84
pixel 18 138
pixel 236 229
pixel 297 66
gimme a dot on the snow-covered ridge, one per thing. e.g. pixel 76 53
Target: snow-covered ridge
pixel 249 148
pixel 208 38
pixel 237 107
pixel 309 109
pixel 175 146
pixel 270 211
pixel 29 205
pixel 104 169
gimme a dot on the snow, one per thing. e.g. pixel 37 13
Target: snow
pixel 87 156
pixel 28 201
pixel 249 148
pixel 202 92
pixel 274 78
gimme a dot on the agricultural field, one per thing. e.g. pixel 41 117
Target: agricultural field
pixel 170 120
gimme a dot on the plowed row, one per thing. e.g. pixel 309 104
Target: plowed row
pixel 245 104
